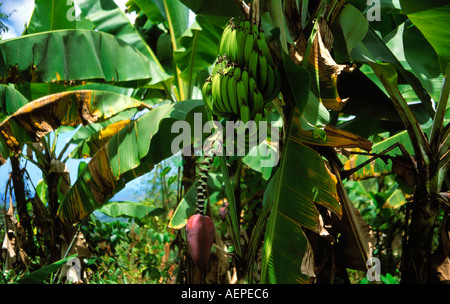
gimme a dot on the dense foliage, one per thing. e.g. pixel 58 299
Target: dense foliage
pixel 357 189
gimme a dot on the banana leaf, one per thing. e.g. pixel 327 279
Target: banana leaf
pixel 89 139
pixel 354 25
pixel 431 18
pixel 150 9
pixel 130 153
pixel 10 100
pixel 423 62
pixel 197 48
pixel 84 55
pixel 321 66
pixel 372 49
pixel 109 18
pixel 40 275
pixel 46 114
pixel 130 210
pixel 301 181
pixel 47 16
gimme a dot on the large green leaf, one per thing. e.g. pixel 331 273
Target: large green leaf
pixel 372 49
pixel 129 209
pixel 301 181
pixel 150 9
pixel 389 78
pixel 133 151
pixel 40 275
pixel 83 55
pixel 177 15
pixel 423 62
pixel 432 19
pixel 10 100
pixel 109 18
pixel 46 114
pixel 296 78
pixel 354 25
pixel 55 15
pixel 89 139
pixel 197 48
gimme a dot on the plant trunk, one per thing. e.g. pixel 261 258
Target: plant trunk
pixel 417 242
pixel 21 204
pixel 55 228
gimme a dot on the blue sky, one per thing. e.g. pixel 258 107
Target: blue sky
pixel 21 15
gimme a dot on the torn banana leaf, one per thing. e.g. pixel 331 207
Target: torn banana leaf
pixel 130 153
pixel 378 167
pixel 89 139
pixel 10 100
pixel 41 116
pixel 109 18
pixel 321 66
pixel 86 55
pixel 335 138
pixel 301 181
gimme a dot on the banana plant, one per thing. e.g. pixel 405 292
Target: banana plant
pixel 128 84
pixel 423 146
pixel 105 87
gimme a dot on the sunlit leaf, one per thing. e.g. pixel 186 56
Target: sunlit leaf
pixel 46 114
pixel 130 153
pixel 129 209
pixel 109 18
pixel 301 181
pixel 104 58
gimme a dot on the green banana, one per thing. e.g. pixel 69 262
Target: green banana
pixel 237 73
pixel 206 93
pixel 244 76
pixel 254 30
pixel 206 88
pixel 241 38
pixel 253 64
pixel 270 83
pixel 223 45
pixel 262 71
pixel 276 88
pixel 224 92
pixel 264 48
pixel 216 92
pixel 233 46
pixel 258 103
pixel 248 48
pixel 215 88
pixel 252 135
pixel 216 110
pixel 242 95
pixel 245 113
pixel 245 79
pixel 252 87
pixel 258 117
pixel 232 93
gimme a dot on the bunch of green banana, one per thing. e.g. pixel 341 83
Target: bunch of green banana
pixel 244 77
pixel 243 44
